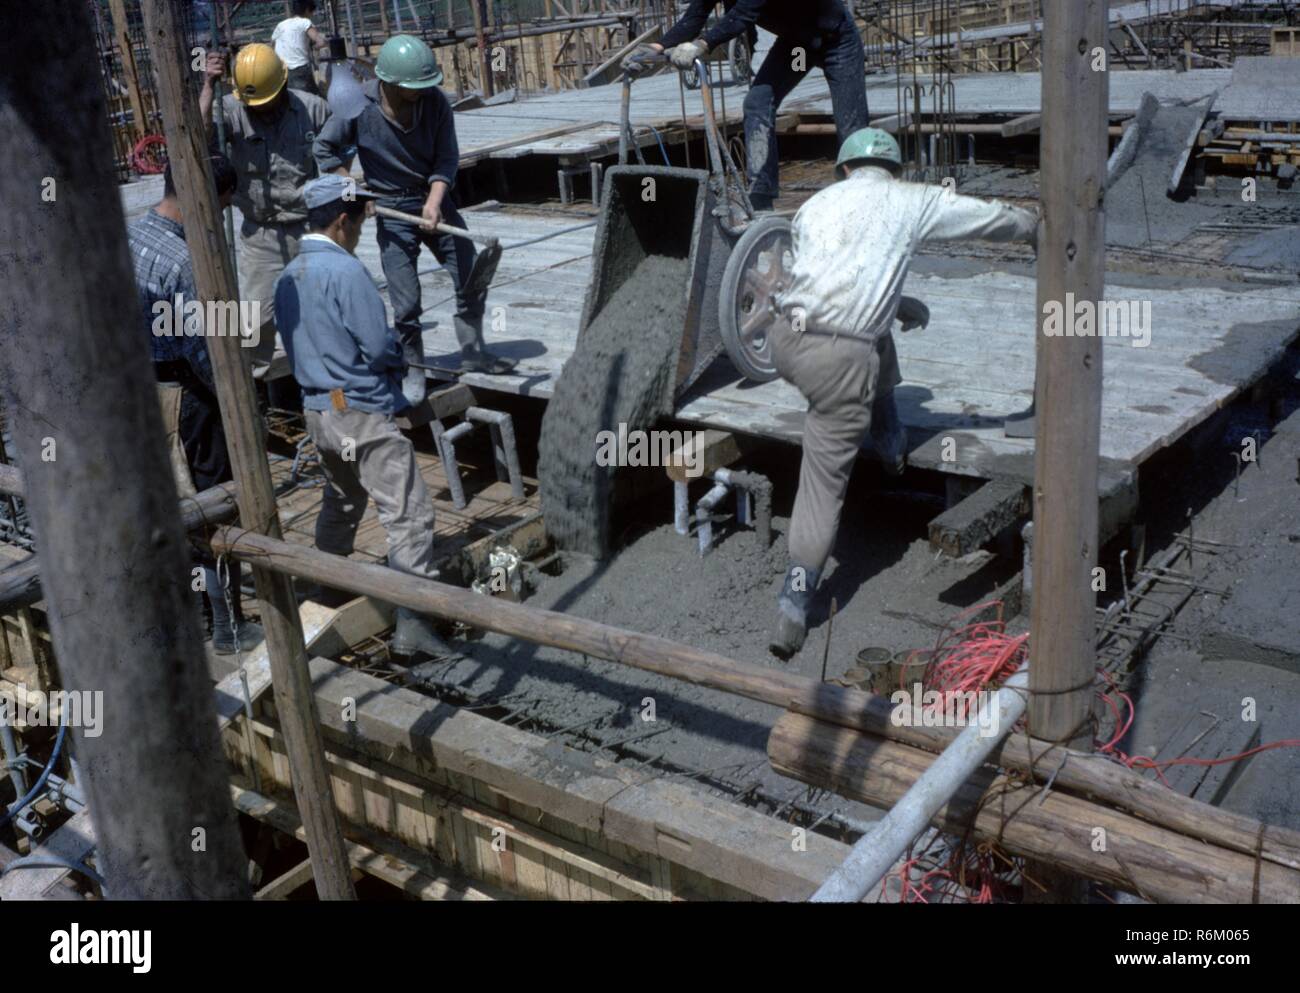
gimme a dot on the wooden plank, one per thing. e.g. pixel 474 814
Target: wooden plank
pixel 283 885
pixel 1189 146
pixel 707 451
pixel 1025 124
pixel 315 621
pixel 396 865
pixel 978 519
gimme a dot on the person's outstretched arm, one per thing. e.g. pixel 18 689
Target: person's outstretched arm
pixel 949 216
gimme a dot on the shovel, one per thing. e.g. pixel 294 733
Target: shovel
pixel 485 263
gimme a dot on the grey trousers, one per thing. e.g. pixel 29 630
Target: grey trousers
pixel 364 455
pixel 839 378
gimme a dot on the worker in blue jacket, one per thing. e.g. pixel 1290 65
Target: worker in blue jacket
pixel 809 33
pixel 349 364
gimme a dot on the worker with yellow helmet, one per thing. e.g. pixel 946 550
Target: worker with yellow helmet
pixel 270 129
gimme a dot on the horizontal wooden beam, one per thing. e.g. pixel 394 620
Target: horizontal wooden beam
pixel 1021 125
pixel 1047 825
pixel 980 518
pixel 20 584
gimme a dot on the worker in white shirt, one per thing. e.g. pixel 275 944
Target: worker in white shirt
pixel 295 38
pixel 852 245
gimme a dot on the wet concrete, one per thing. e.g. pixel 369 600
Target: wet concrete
pixel 619 375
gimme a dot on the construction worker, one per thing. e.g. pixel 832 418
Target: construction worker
pixel 270 130
pixel 164 278
pixel 349 364
pixel 852 245
pixel 808 33
pixel 405 138
pixel 295 39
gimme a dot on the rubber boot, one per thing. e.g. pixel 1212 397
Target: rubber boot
pixel 415 385
pixel 763 203
pixel 888 434
pixel 1020 425
pixel 474 356
pixel 792 612
pixel 250 636
pixel 415 635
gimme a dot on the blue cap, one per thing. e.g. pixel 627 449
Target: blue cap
pixel 330 187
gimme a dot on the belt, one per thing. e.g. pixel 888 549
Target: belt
pixel 409 193
pixel 824 332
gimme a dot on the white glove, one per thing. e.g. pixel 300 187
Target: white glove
pixel 683 56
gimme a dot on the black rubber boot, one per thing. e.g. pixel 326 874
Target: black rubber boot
pixel 474 356
pixel 888 434
pixel 792 612
pixel 415 635
pixel 250 636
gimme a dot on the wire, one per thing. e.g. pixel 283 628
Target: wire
pixel 662 151
pixel 48 860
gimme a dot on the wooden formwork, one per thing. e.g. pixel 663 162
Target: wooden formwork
pixel 483 809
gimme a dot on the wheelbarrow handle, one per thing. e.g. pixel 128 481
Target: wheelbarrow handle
pixel 398 215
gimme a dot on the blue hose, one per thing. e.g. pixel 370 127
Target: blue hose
pixel 35 791
pixel 662 151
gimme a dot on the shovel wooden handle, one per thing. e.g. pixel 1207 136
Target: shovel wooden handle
pixel 397 215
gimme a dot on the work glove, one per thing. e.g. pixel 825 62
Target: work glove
pixel 640 59
pixel 684 55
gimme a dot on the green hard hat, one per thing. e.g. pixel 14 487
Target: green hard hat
pixel 871 143
pixel 408 62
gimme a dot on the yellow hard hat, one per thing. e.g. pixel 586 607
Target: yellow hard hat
pixel 259 74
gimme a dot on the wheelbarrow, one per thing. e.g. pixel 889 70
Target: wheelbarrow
pixel 689 214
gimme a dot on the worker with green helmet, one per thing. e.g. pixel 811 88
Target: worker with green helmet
pixel 852 245
pixel 405 139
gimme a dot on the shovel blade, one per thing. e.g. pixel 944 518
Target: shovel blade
pixel 483 270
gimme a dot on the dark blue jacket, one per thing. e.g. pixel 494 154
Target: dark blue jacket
pixel 791 19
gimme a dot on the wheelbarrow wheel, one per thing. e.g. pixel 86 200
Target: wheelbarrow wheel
pixel 740 58
pixel 758 270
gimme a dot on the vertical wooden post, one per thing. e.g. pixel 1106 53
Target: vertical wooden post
pixel 294 700
pixel 479 8
pixel 1071 260
pixel 113 557
pixel 122 35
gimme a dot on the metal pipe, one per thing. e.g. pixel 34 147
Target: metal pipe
pixel 760 488
pixel 13 759
pixel 681 507
pixel 876 852
pixel 505 452
pixel 704 514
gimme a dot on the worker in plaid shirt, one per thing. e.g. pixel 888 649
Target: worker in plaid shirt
pixel 164 279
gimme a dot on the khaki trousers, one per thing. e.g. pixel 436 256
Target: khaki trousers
pixel 365 456
pixel 267 249
pixel 838 376
pixel 169 397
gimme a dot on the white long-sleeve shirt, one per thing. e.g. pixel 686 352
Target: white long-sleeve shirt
pixel 853 243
